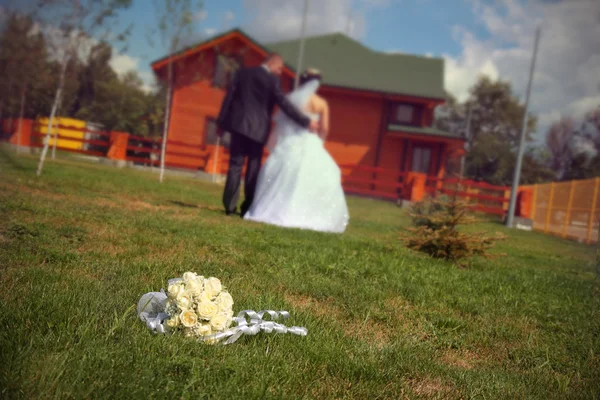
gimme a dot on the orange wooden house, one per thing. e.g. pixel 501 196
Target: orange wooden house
pixel 381 106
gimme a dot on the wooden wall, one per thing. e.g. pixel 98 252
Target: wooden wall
pixel 195 100
pixel 355 119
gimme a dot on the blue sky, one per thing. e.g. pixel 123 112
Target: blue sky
pixel 419 27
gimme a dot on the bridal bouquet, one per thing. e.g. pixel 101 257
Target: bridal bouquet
pixel 200 307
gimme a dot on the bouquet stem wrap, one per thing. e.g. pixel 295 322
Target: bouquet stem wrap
pixel 250 322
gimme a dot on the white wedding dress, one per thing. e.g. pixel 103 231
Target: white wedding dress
pixel 299 186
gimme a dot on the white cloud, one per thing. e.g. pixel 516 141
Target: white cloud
pixel 584 146
pixel 568 65
pixel 149 82
pixel 376 3
pixel 123 63
pixel 210 31
pixel 274 20
pixel 229 16
pixel 580 107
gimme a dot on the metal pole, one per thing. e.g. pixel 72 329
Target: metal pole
pixel 216 159
pixel 467 136
pixel 598 254
pixel 20 125
pixel 517 175
pixel 301 51
pixel 165 137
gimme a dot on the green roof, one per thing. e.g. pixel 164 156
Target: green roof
pixel 346 63
pixel 429 131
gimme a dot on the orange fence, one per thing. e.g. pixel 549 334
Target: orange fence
pixel 94 143
pixel 356 179
pixel 142 150
pixel 113 145
pixel 567 209
pixel 481 196
pixel 396 185
pixel 375 182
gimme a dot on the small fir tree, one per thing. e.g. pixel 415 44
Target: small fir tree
pixel 435 230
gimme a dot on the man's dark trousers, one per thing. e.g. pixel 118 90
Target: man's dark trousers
pixel 242 148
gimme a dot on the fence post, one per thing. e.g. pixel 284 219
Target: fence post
pixel 505 203
pixel 593 211
pixel 534 203
pixel 550 200
pixel 569 205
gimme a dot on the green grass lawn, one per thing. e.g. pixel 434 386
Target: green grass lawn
pixel 81 244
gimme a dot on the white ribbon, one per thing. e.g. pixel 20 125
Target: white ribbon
pixel 256 325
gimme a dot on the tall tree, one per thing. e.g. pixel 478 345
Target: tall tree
pixel 119 104
pixel 498 112
pixel 495 125
pixel 70 26
pixel 22 63
pixel 559 140
pixel 95 71
pixel 585 148
pixel 175 23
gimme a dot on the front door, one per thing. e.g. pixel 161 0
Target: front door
pixel 421 158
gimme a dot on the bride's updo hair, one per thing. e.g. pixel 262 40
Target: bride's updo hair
pixel 310 74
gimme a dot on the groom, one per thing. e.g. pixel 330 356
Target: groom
pixel 246 115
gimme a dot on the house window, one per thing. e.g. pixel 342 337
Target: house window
pixel 210 134
pixel 225 68
pixel 421 158
pixel 405 114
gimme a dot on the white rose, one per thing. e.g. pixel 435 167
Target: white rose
pixel 203 330
pixel 189 276
pixel 205 296
pixel 220 322
pixel 174 290
pixel 194 287
pixel 173 322
pixel 184 300
pixel 188 318
pixel 212 286
pixel 207 310
pixel 225 301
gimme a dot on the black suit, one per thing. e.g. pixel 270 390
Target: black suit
pixel 246 114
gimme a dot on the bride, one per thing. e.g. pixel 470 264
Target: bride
pixel 300 184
